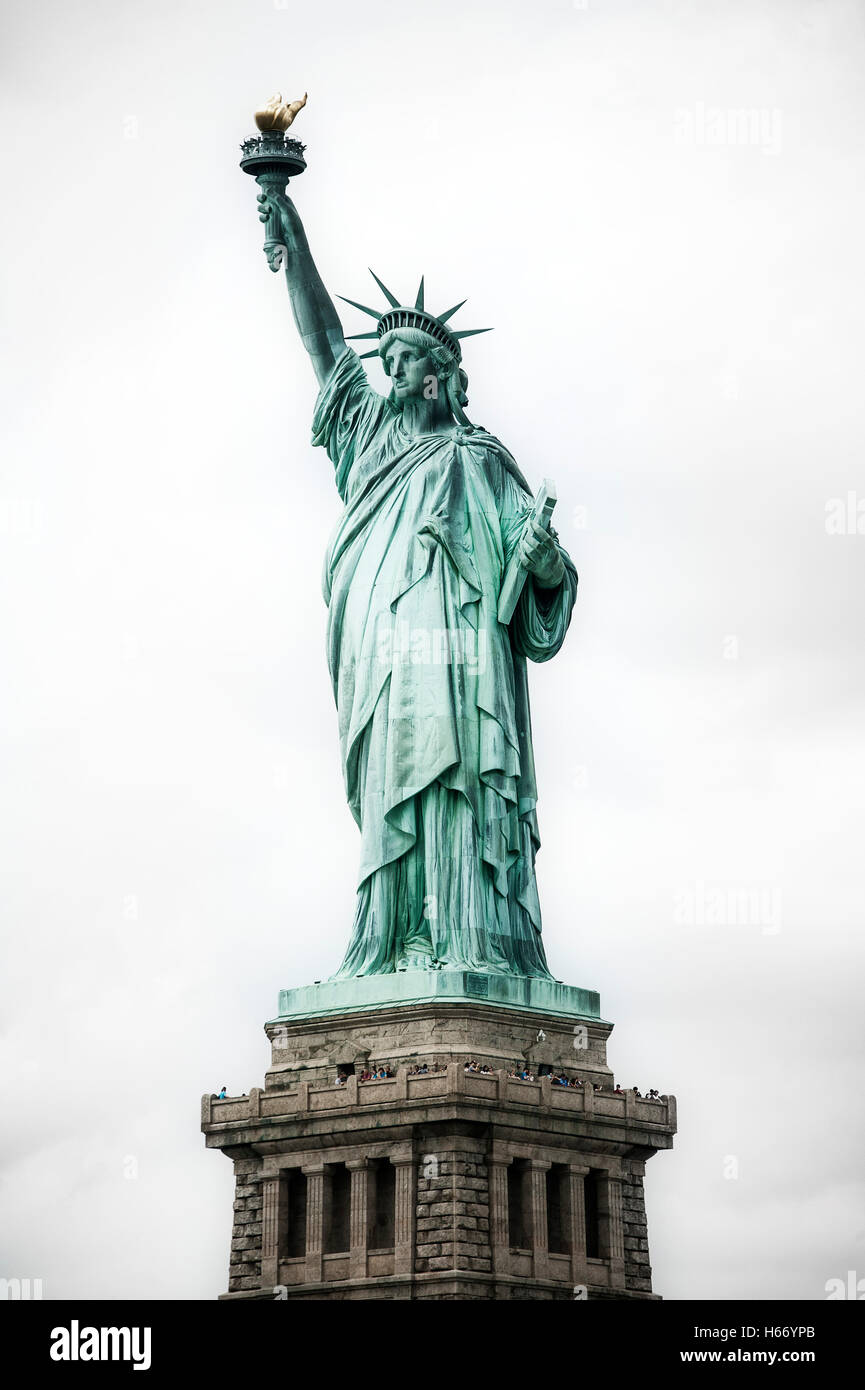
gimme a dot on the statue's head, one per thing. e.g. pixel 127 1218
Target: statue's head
pixel 422 369
pixel 419 350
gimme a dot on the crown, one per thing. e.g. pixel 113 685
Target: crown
pixel 416 316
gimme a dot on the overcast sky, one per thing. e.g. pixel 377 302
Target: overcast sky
pixel 659 205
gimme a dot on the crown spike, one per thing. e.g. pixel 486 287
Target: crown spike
pixel 373 313
pixel 396 316
pixel 384 289
pixel 362 355
pixel 443 318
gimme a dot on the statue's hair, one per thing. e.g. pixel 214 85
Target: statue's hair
pixel 448 369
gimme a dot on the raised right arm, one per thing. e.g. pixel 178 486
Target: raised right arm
pixel 314 311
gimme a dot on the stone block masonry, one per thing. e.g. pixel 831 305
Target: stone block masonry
pixel 453 1212
pixel 245 1264
pixel 638 1271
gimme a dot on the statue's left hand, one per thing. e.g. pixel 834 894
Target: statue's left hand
pixel 539 553
pixel 279 213
pixel 279 208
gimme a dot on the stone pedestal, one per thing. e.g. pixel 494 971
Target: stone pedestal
pixel 444 1185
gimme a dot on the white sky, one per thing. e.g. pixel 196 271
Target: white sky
pixel 679 333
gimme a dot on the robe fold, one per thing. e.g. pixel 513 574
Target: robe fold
pixel 431 690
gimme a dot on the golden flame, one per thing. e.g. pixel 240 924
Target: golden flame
pixel 278 114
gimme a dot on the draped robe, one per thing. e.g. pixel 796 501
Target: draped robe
pixel 431 690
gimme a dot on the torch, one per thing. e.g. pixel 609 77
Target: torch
pixel 272 157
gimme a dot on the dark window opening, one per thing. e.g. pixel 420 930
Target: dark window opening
pixel 382 1205
pixel 545 1069
pixel 558 1210
pixel 337 1211
pixel 591 1185
pixel 295 1237
pixel 519 1222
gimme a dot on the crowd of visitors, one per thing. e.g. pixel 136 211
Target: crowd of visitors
pixel 524 1073
pixel 556 1078
pixel 369 1074
pixel 577 1084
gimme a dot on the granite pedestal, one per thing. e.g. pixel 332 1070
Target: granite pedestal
pixel 446 1184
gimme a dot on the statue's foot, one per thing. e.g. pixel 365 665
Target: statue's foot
pixel 485 969
pixel 415 960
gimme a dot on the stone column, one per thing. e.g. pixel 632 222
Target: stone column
pixel 538 1169
pixel 612 1234
pixel 500 1240
pixel 315 1201
pixel 577 1175
pixel 404 1215
pixel 272 1228
pixel 359 1217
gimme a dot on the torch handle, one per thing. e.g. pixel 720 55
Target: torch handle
pixel 274 244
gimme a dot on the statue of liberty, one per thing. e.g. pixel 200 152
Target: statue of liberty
pixel 430 687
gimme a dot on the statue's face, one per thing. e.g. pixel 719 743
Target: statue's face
pixel 409 369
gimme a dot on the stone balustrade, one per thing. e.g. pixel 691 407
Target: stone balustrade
pixel 497 1086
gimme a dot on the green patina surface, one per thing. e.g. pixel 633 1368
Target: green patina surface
pixel 431 689
pixel 545 996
